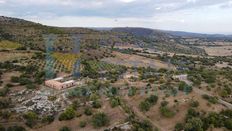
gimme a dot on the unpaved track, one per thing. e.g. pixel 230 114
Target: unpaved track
pixel 201 92
pixel 141 115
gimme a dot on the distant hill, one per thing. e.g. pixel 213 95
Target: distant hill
pixel 209 37
pixel 161 40
pixel 31 34
pixel 144 32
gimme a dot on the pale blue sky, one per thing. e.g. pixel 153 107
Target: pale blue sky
pixel 203 16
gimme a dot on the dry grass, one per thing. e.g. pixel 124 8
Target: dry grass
pixel 136 61
pixel 5 44
pixel 7 56
pixel 218 50
pixel 181 108
pixel 115 115
pixel 223 65
pixel 6 77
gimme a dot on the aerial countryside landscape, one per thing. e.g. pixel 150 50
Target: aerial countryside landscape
pixel 116 65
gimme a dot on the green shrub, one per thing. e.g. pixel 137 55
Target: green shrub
pixel 114 91
pixel 164 103
pixel 152 99
pixel 182 86
pixel 9 85
pixel 82 124
pixel 31 118
pixel 166 112
pixel 65 128
pixel 30 86
pixel 185 87
pixel 14 79
pixel 4 103
pixel 100 120
pixel 4 91
pixel 143 126
pixel 228 124
pixel 144 106
pixel 16 128
pixel 194 103
pixel 88 111
pixel 48 119
pixel 132 91
pixel 2 128
pixel 114 102
pixel 5 114
pixel 148 103
pixel 96 104
pixel 210 99
pixel 192 113
pixel 194 124
pixel 24 81
pixel 179 127
pixel 68 114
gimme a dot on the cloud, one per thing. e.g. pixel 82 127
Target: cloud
pixel 191 1
pixel 127 1
pixel 2 1
pixel 227 4
pixel 165 14
pixel 107 8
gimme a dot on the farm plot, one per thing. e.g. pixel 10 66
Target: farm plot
pixel 218 50
pixel 66 59
pixel 9 45
pixel 103 66
pixel 8 56
pixel 58 62
pixel 136 61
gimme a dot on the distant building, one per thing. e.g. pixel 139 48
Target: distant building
pixel 183 77
pixel 60 83
pixel 129 75
pixel 180 77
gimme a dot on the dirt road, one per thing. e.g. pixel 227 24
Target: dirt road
pixel 201 92
pixel 141 115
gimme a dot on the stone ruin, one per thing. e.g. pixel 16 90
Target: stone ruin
pixel 39 102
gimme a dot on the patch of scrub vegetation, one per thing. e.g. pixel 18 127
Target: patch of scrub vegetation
pixel 200 121
pixel 100 120
pixel 148 103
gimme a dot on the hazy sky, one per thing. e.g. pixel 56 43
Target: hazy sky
pixel 204 16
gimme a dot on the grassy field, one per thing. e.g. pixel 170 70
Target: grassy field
pixel 8 56
pixel 136 61
pixel 5 44
pixel 218 50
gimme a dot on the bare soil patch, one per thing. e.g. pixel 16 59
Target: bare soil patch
pixel 116 116
pixel 218 50
pixel 136 61
pixel 6 56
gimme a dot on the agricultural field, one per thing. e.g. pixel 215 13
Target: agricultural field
pixel 66 59
pixel 58 62
pixel 9 56
pixel 103 66
pixel 218 50
pixel 5 44
pixel 41 65
pixel 223 65
pixel 131 60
